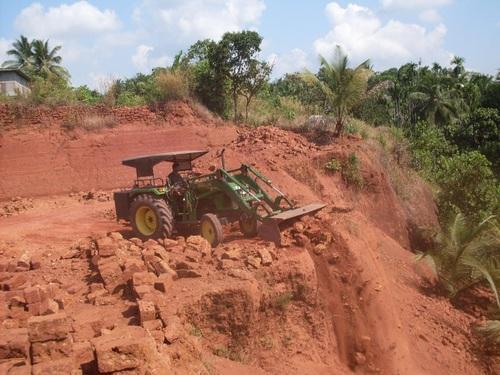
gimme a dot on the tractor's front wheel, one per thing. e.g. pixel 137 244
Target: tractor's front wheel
pixel 211 229
pixel 248 225
pixel 151 218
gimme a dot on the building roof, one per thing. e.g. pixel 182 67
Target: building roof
pixel 18 71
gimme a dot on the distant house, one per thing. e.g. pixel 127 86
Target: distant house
pixel 14 82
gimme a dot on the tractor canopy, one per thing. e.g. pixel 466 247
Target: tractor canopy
pixel 144 164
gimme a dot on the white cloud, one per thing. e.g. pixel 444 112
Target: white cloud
pixel 76 19
pixel 197 19
pixel 430 16
pixel 140 58
pixel 294 61
pixel 363 35
pixel 91 37
pixel 414 4
pixel 143 62
pixel 5 45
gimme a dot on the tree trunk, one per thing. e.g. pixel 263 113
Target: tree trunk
pixel 235 106
pixel 247 104
pixel 339 125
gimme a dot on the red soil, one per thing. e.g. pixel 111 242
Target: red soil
pixel 357 302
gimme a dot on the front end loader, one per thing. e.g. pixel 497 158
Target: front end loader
pixel 155 209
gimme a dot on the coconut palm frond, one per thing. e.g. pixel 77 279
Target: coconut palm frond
pixel 486 272
pixel 467 255
pixel 491 331
pixel 343 87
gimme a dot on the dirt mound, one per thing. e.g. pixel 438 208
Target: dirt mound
pixel 342 296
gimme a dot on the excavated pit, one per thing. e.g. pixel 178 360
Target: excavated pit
pixel 342 296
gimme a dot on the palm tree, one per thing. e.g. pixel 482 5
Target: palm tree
pixel 436 105
pixel 46 60
pixel 22 53
pixel 342 86
pixel 467 254
pixel 458 66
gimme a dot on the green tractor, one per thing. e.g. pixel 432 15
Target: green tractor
pixel 186 201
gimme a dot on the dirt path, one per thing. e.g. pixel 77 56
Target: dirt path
pixel 57 222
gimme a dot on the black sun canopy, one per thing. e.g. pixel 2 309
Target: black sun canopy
pixel 144 164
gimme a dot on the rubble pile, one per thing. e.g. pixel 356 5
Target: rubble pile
pixel 284 144
pixel 39 335
pixel 100 196
pixel 15 206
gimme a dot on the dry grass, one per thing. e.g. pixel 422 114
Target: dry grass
pixel 204 113
pixel 395 157
pixel 90 123
pixel 172 85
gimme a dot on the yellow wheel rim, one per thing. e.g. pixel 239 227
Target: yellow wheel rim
pixel 208 231
pixel 145 220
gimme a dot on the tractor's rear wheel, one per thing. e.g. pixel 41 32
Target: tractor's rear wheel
pixel 211 229
pixel 151 218
pixel 248 225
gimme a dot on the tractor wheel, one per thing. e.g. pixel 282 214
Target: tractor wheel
pixel 211 229
pixel 248 225
pixel 151 218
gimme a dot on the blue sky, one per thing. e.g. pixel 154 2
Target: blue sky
pixel 103 40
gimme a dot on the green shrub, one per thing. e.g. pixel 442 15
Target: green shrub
pixel 286 112
pixel 51 90
pixel 87 96
pixel 428 145
pixel 364 134
pixel 374 110
pixel 129 99
pixel 351 128
pixel 467 184
pixel 382 141
pixel 351 172
pixel 480 131
pixel 333 165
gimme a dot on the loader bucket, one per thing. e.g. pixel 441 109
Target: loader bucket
pixel 271 227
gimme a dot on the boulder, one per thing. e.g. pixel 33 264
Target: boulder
pixel 147 310
pixel 14 343
pixel 129 348
pixel 199 244
pixel 111 273
pixel 60 367
pixel 51 350
pixel 48 327
pixel 265 256
pixel 106 247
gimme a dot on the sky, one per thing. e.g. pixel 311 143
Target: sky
pixel 104 40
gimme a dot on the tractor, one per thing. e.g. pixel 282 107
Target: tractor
pixel 187 202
